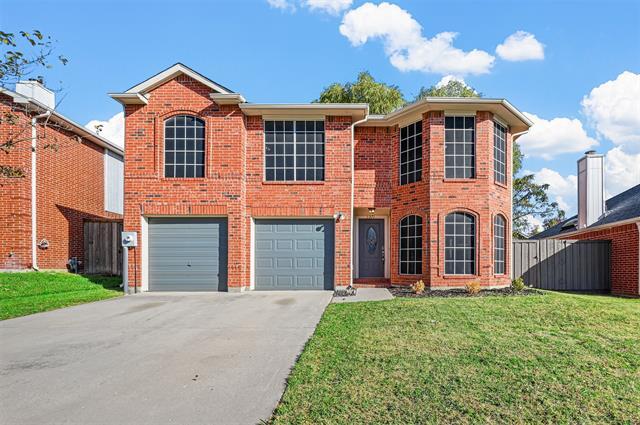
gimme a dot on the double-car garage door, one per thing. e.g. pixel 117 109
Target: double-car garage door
pixel 191 254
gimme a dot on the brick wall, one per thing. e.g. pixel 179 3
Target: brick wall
pixel 625 244
pixel 70 189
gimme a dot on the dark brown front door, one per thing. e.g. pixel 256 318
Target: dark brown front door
pixel 371 247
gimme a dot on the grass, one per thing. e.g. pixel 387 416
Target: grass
pixel 34 292
pixel 558 358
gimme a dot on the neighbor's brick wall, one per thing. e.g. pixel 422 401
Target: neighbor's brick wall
pixel 625 244
pixel 15 195
pixel 70 190
pixel 373 153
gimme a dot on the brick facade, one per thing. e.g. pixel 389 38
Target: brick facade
pixel 625 256
pixel 234 187
pixel 70 190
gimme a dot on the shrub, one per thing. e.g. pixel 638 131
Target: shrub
pixel 418 287
pixel 473 287
pixel 518 284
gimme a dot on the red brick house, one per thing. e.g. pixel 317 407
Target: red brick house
pixel 617 220
pixel 230 195
pixel 70 175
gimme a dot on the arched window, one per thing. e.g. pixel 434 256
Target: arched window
pixel 411 245
pixel 184 146
pixel 460 243
pixel 499 247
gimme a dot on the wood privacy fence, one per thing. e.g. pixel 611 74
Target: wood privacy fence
pixel 102 249
pixel 563 265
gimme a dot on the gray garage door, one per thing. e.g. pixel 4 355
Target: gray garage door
pixel 187 254
pixel 294 254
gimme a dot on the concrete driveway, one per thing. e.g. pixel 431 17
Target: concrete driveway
pixel 213 358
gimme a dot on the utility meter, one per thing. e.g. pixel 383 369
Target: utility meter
pixel 129 239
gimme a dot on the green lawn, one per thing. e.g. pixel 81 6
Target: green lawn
pixel 33 292
pixel 557 358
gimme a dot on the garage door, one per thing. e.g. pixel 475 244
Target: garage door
pixel 187 254
pixel 294 254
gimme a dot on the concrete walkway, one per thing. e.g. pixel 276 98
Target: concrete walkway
pixel 212 358
pixel 366 294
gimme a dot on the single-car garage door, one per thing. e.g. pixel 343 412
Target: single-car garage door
pixel 294 254
pixel 187 254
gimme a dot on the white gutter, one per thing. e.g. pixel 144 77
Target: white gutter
pixel 34 210
pixel 353 183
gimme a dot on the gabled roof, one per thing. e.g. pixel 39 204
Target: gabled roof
pixel 136 94
pixel 73 126
pixel 622 207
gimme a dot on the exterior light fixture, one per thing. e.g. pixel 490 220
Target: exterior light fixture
pixel 372 212
pixel 339 216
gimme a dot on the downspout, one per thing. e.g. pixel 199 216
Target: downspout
pixel 353 183
pixel 510 245
pixel 34 216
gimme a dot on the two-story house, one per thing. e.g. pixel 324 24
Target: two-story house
pixel 230 195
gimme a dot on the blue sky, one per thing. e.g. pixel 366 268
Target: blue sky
pixel 288 50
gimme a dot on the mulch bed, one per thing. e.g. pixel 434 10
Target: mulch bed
pixel 448 293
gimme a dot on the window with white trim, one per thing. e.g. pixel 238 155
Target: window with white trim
pixel 499 153
pixel 411 245
pixel 499 247
pixel 460 243
pixel 294 150
pixel 184 146
pixel 411 153
pixel 460 147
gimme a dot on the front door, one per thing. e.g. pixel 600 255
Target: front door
pixel 371 248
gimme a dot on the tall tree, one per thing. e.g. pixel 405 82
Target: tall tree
pixel 531 199
pixel 22 55
pixel 382 98
pixel 453 88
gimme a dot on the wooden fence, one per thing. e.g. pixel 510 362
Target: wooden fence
pixel 102 249
pixel 563 265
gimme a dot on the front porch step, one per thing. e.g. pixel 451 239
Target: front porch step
pixel 368 282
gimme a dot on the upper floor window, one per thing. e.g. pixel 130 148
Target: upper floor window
pixel 294 150
pixel 460 147
pixel 499 233
pixel 460 243
pixel 499 153
pixel 411 245
pixel 184 146
pixel 411 153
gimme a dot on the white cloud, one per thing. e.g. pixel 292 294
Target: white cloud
pixel 549 138
pixel 333 7
pixel 614 110
pixel 112 129
pixel 561 189
pixel 622 171
pixel 520 46
pixel 407 48
pixel 282 4
pixel 447 79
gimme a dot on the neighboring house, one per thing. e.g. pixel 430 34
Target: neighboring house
pixel 70 175
pixel 230 195
pixel 616 220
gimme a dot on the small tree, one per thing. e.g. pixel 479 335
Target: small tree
pixel 24 54
pixel 382 98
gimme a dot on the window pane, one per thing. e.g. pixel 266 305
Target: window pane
pixel 411 245
pixel 459 256
pixel 459 147
pixel 411 153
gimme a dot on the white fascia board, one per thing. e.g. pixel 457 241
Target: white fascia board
pixel 170 73
pixel 129 98
pixel 227 98
pixel 355 110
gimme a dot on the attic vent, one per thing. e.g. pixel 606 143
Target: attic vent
pixel 570 223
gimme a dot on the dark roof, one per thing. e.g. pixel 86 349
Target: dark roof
pixel 623 206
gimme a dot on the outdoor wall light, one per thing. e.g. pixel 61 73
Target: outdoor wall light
pixel 339 216
pixel 372 212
